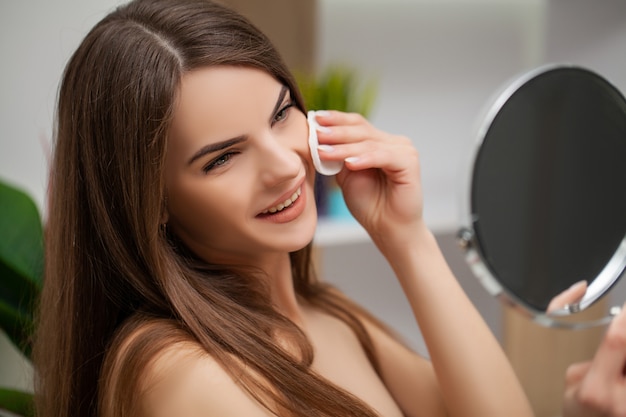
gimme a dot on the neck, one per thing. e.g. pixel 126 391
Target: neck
pixel 278 269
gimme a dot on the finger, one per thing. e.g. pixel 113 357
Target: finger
pixel 337 134
pixel 351 146
pixel 334 117
pixel 340 152
pixel 612 350
pixel 570 295
pixel 602 388
pixel 582 401
pixel 367 154
pixel 387 158
pixel 607 368
pixel 575 373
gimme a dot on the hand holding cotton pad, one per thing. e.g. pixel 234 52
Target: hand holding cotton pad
pixel 323 167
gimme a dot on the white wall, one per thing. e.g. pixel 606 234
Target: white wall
pixel 37 37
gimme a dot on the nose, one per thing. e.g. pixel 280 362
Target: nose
pixel 279 159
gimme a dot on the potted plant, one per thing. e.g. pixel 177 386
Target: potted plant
pixel 336 88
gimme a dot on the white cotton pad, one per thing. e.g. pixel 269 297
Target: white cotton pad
pixel 323 167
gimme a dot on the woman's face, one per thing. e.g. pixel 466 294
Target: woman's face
pixel 238 152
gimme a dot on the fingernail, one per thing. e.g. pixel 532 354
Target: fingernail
pixel 325 148
pixel 323 113
pixel 352 159
pixel 324 129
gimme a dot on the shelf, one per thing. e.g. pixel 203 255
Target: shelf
pixel 441 214
pixel 333 232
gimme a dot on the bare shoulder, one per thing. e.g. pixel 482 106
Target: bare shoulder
pixel 185 381
pixel 155 369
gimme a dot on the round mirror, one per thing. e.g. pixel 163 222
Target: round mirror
pixel 546 204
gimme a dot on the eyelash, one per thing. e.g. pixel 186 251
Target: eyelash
pixel 284 112
pixel 225 157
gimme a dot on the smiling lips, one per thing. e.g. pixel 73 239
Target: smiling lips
pixel 288 202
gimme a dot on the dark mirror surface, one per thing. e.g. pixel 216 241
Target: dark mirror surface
pixel 548 196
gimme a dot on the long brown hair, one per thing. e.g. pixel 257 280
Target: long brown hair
pixel 112 269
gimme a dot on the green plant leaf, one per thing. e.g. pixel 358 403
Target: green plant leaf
pixel 18 326
pixel 21 246
pixel 21 264
pixel 17 402
pixel 17 290
pixel 367 98
pixel 337 88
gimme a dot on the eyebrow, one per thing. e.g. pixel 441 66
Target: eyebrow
pixel 214 147
pixel 281 97
pixel 218 146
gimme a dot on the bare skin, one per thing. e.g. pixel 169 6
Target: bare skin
pixel 573 294
pixel 192 383
pixel 469 374
pixel 597 388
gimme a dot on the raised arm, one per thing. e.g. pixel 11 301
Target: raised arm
pixel 381 186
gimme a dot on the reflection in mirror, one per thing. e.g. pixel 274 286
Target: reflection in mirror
pixel 547 198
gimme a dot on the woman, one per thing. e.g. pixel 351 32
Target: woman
pixel 178 277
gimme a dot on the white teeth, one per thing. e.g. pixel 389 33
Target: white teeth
pixel 285 203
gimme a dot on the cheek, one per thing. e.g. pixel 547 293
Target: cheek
pixel 300 138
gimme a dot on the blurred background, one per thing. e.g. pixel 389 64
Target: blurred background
pixel 437 64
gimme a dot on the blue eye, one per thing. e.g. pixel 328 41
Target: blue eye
pixel 217 162
pixel 283 113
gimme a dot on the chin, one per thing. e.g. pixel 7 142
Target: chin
pixel 306 233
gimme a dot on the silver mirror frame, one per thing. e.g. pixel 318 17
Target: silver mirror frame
pixel 565 317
